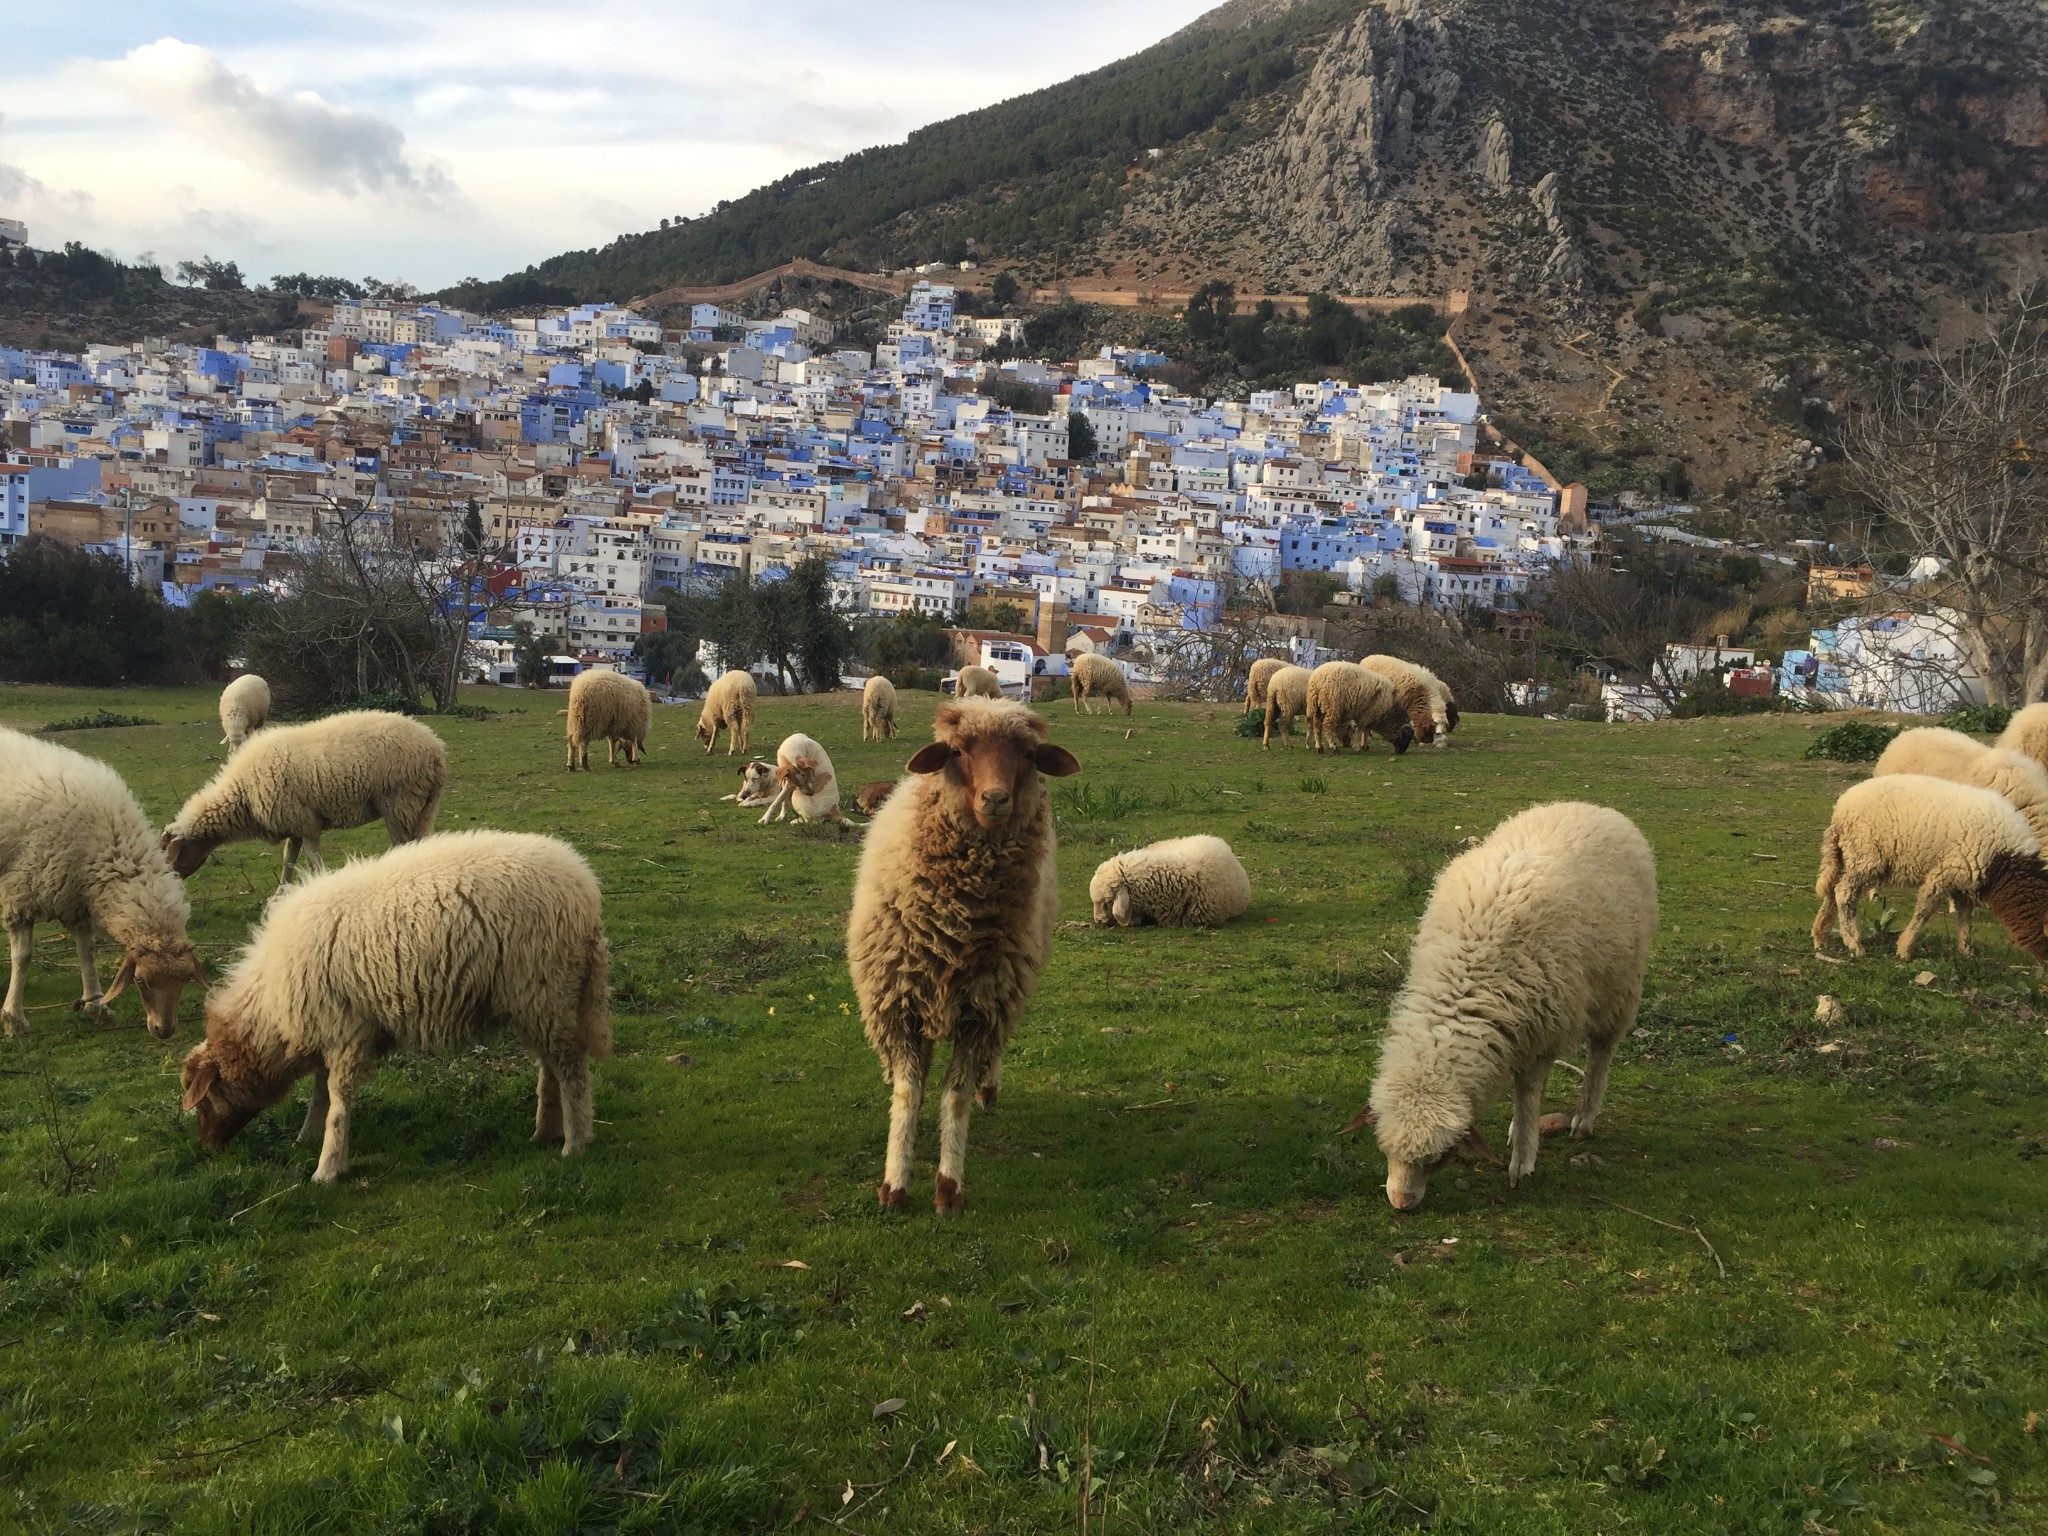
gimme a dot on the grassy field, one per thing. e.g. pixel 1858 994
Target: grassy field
pixel 1173 1281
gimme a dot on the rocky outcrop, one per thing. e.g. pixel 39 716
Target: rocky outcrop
pixel 1497 156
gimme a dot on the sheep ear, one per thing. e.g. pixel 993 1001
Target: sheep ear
pixel 204 1076
pixel 1054 761
pixel 1364 1117
pixel 199 972
pixel 931 759
pixel 123 979
pixel 1120 908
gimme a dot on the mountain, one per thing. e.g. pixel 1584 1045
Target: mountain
pixel 1682 226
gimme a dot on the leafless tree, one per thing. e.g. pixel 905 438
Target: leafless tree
pixel 1602 617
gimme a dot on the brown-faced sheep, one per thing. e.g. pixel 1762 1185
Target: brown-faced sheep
pixel 974 682
pixel 2027 733
pixel 76 849
pixel 1944 754
pixel 878 709
pixel 1286 697
pixel 728 706
pixel 1185 882
pixel 953 913
pixel 1255 684
pixel 244 707
pixel 805 782
pixel 429 947
pixel 1346 704
pixel 1097 677
pixel 608 707
pixel 1413 692
pixel 291 783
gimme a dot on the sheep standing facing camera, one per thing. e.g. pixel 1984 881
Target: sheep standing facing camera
pixel 1185 882
pixel 608 707
pixel 878 709
pixel 244 707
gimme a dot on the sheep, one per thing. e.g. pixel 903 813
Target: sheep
pixel 728 706
pixel 1532 941
pixel 977 683
pixel 1960 759
pixel 1185 882
pixel 1286 697
pixel 1097 677
pixel 757 784
pixel 76 849
pixel 954 904
pixel 1443 706
pixel 429 947
pixel 1413 692
pixel 873 794
pixel 1255 685
pixel 804 780
pixel 1953 841
pixel 244 707
pixel 612 708
pixel 292 784
pixel 1346 703
pixel 2027 733
pixel 878 709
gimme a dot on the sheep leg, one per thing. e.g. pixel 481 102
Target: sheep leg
pixel 291 859
pixel 344 1076
pixel 1848 899
pixel 21 943
pixel 991 1084
pixel 1923 908
pixel 569 754
pixel 906 1098
pixel 1823 919
pixel 1523 1134
pixel 88 972
pixel 547 1113
pixel 316 1107
pixel 572 1084
pixel 1593 1087
pixel 611 752
pixel 956 1103
pixel 1963 907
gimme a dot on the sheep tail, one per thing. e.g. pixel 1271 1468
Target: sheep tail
pixel 593 1008
pixel 1830 862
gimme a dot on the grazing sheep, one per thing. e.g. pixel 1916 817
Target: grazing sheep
pixel 1346 704
pixel 878 709
pixel 977 683
pixel 608 707
pixel 1954 841
pixel 1532 941
pixel 1097 677
pixel 1944 754
pixel 804 780
pixel 728 706
pixel 1255 685
pixel 2027 733
pixel 76 849
pixel 244 706
pixel 757 784
pixel 1413 692
pixel 1443 707
pixel 1184 882
pixel 873 794
pixel 297 782
pixel 953 912
pixel 1286 697
pixel 428 947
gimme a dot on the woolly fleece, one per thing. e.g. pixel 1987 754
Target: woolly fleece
pixel 728 706
pixel 608 707
pixel 1097 677
pixel 244 707
pixel 1186 882
pixel 878 709
pixel 1946 754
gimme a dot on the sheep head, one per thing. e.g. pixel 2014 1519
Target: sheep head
pixel 185 853
pixel 160 973
pixel 228 1084
pixel 991 752
pixel 1109 899
pixel 1397 729
pixel 2017 894
pixel 1419 1124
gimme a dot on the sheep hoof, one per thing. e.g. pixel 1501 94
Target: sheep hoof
pixel 92 1006
pixel 947 1200
pixel 17 1025
pixel 895 1199
pixel 985 1096
pixel 326 1175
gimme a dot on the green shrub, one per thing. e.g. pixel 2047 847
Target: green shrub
pixel 1854 741
pixel 1978 719
pixel 104 720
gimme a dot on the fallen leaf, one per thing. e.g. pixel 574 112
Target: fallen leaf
pixel 1828 1047
pixel 1924 979
pixel 793 1264
pixel 948 1450
pixel 914 1313
pixel 1956 1446
pixel 211 1317
pixel 887 1406
pixel 847 1497
pixel 682 1059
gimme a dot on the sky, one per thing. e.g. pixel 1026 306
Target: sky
pixel 441 139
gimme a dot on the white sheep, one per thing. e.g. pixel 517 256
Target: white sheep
pixel 878 709
pixel 76 849
pixel 1442 705
pixel 609 707
pixel 1286 697
pixel 1955 842
pixel 244 707
pixel 1945 754
pixel 975 682
pixel 429 947
pixel 1255 683
pixel 2027 733
pixel 1098 677
pixel 804 780
pixel 1411 686
pixel 1346 704
pixel 953 913
pixel 728 706
pixel 1187 882
pixel 292 783
pixel 1532 941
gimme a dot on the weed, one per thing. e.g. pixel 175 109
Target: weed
pixel 1853 741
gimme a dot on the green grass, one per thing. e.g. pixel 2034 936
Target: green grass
pixel 470 1334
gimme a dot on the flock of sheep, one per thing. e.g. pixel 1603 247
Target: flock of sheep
pixel 1534 941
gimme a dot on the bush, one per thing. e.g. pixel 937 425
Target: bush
pixel 1978 719
pixel 1252 727
pixel 1853 741
pixel 104 720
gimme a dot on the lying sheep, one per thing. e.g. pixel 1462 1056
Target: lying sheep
pixel 1286 697
pixel 608 707
pixel 1346 704
pixel 728 706
pixel 1255 685
pixel 2027 733
pixel 429 947
pixel 1944 754
pixel 1532 941
pixel 804 780
pixel 1411 689
pixel 878 710
pixel 1097 677
pixel 953 912
pixel 977 683
pixel 1955 842
pixel 873 795
pixel 757 784
pixel 76 849
pixel 244 707
pixel 297 782
pixel 1184 882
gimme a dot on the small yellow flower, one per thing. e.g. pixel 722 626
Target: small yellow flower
pixel 810 997
pixel 771 1013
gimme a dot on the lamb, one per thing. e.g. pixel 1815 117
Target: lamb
pixel 429 947
pixel 1286 697
pixel 612 708
pixel 757 784
pixel 1413 692
pixel 1944 754
pixel 878 709
pixel 873 794
pixel 1255 685
pixel 244 707
pixel 1097 677
pixel 297 782
pixel 977 683
pixel 1185 882
pixel 2027 733
pixel 1532 941
pixel 953 911
pixel 803 779
pixel 76 849
pixel 1953 841
pixel 728 706
pixel 1346 703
